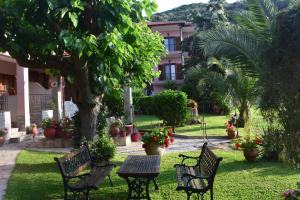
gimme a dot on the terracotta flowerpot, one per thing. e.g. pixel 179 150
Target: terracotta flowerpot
pixel 129 129
pixel 2 140
pixel 34 131
pixel 230 133
pixel 114 131
pixel 123 133
pixel 59 133
pixel 250 155
pixel 154 149
pixel 135 137
pixel 49 133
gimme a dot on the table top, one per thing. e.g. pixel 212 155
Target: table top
pixel 140 166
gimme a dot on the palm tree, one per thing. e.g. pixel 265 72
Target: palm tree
pixel 228 81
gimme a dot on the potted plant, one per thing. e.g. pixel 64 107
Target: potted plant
pixel 230 129
pixel 156 141
pixel 49 126
pixel 114 128
pixel 3 133
pixel 250 147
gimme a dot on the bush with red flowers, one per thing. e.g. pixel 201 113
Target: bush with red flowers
pixel 161 136
pixel 248 143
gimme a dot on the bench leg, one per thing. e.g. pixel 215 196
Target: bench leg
pixel 155 183
pixel 66 195
pixel 111 183
pixel 86 195
pixel 188 195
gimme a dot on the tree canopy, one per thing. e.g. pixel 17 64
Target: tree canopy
pixel 94 44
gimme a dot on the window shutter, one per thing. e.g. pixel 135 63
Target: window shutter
pixel 178 43
pixel 162 72
pixel 179 75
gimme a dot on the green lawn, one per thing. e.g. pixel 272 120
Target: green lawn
pixel 36 177
pixel 215 124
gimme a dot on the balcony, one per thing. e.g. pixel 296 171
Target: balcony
pixel 165 77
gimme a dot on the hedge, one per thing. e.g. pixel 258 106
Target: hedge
pixel 171 107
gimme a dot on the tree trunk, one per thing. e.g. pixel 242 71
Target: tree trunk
pixel 88 119
pixel 88 103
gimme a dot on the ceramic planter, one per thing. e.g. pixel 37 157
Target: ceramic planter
pixel 251 154
pixel 50 133
pixel 59 133
pixel 123 133
pixel 129 129
pixel 135 137
pixel 230 133
pixel 154 149
pixel 2 140
pixel 114 131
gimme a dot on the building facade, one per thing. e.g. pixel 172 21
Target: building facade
pixel 25 93
pixel 171 65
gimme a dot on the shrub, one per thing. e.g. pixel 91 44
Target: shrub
pixel 114 100
pixel 102 148
pixel 145 105
pixel 273 146
pixel 171 107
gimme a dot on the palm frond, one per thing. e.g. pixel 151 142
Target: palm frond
pixel 235 43
pixel 257 12
pixel 270 9
pixel 293 3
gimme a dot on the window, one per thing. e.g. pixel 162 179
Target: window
pixel 170 43
pixel 170 72
pixel 7 84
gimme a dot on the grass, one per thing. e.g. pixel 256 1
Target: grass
pixel 215 124
pixel 36 177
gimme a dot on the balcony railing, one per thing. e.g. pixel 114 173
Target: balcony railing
pixel 3 100
pixel 170 76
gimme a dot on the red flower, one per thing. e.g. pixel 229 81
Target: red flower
pixel 257 141
pixel 166 137
pixel 237 145
pixel 170 134
pixel 154 139
pixel 172 140
pixel 171 129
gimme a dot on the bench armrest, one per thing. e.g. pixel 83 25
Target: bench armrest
pixel 105 165
pixel 79 176
pixel 185 157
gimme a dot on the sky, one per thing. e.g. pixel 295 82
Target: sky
pixel 164 5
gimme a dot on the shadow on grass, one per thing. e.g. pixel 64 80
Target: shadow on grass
pixel 260 167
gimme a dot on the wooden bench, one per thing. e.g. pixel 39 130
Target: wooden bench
pixel 72 166
pixel 198 178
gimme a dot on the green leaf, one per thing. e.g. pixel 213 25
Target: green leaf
pixel 74 18
pixel 63 12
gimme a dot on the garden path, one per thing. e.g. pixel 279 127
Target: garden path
pixel 179 145
pixel 8 155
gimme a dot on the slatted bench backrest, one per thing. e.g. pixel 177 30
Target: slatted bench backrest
pixel 208 163
pixel 73 163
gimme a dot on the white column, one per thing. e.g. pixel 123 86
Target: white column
pixel 23 113
pixel 128 107
pixel 57 95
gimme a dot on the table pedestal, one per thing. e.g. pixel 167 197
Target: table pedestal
pixel 138 187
